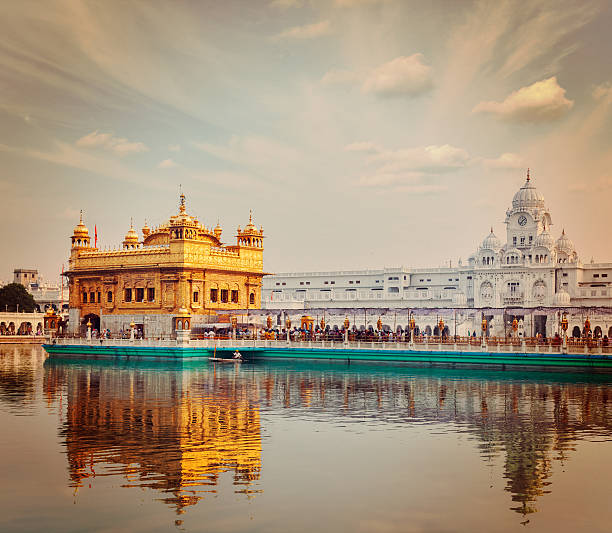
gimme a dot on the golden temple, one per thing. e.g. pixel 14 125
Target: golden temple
pixel 179 266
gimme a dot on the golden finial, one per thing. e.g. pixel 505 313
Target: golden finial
pixel 528 178
pixel 81 217
pixel 250 216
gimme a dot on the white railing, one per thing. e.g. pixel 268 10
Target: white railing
pixel 390 346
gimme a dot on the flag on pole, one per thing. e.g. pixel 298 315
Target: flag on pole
pixel 95 236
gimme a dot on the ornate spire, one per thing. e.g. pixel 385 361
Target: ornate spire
pixel 182 204
pixel 81 217
pixel 528 178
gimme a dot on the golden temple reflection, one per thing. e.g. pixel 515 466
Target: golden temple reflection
pixel 150 429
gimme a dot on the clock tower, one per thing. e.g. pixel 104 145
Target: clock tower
pixel 527 218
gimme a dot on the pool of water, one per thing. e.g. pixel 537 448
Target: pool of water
pixel 118 445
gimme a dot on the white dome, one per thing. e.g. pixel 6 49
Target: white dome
pixel 561 298
pixel 564 244
pixel 491 242
pixel 544 240
pixel 528 197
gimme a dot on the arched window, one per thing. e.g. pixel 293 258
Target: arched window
pixel 252 298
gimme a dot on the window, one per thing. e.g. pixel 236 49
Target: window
pixel 332 282
pixel 522 240
pixel 234 297
pixel 456 279
pixel 604 275
pixel 196 297
pixel 514 241
pixel 252 298
pixel 565 274
pixel 213 295
pixel 284 283
pixel 428 279
pixel 84 298
pixel 350 282
pixel 358 282
pixel 98 297
pixel 224 296
pixel 277 283
pixel 139 294
pixel 469 277
pixel 109 297
pixel 326 283
pixel 530 239
pixel 404 278
pixel 308 283
pixel 128 295
pixel 593 293
pixel 421 280
pixel 92 297
pixel 450 279
pixel 595 275
pixel 151 294
pixel 301 283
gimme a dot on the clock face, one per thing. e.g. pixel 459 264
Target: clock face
pixel 522 220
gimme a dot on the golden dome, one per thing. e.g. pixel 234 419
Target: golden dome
pixel 80 229
pixel 250 226
pixel 131 237
pixel 146 229
pixel 218 230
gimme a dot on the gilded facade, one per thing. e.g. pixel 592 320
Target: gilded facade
pixel 177 266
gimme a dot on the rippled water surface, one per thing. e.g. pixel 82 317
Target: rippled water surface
pixel 122 445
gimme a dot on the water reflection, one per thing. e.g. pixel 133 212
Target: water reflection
pixel 19 367
pixel 169 430
pixel 180 428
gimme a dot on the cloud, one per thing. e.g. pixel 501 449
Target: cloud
pixel 409 169
pixel 543 101
pixel 433 159
pixel 364 146
pixel 353 3
pixel 261 155
pixel 402 76
pixel 308 31
pixel 505 161
pixel 174 147
pixel 285 4
pixel 603 91
pixel 118 145
pixel 166 163
pixel 339 77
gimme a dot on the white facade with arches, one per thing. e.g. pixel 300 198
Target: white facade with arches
pixel 532 269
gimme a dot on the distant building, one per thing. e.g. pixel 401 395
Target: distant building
pixel 44 293
pixel 179 267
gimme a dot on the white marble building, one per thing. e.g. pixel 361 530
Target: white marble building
pixel 531 270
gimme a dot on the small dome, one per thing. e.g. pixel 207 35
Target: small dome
pixel 528 196
pixel 250 226
pixel 564 244
pixel 544 240
pixel 80 229
pixel 218 231
pixel 146 229
pixel 131 237
pixel 491 242
pixel 561 298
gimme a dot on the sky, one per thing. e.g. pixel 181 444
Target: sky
pixel 361 133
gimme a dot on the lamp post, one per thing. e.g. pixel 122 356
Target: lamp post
pixel 484 331
pixel 412 325
pixel 132 328
pixel 234 321
pixel 441 328
pixel 88 329
pixel 564 326
pixel 346 330
pixel 288 328
pixel 515 326
pixel 587 326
